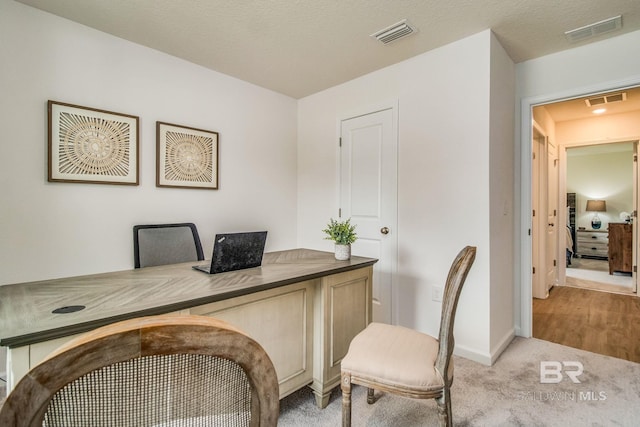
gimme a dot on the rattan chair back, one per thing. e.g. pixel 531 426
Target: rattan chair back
pixel 153 371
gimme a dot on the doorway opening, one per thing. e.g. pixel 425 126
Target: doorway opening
pixel 584 216
pixel 584 160
pixel 600 188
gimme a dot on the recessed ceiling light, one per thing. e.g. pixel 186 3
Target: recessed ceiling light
pixel 599 110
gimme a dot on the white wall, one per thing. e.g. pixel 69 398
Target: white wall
pixel 596 67
pixel 444 193
pixel 50 230
pixel 501 196
pixel 607 176
pixel 601 129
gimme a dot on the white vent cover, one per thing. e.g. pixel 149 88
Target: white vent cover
pixel 592 30
pixel 606 99
pixel 395 32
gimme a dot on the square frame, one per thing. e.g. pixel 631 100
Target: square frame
pixel 88 145
pixel 186 157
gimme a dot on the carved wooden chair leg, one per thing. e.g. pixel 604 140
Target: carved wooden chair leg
pixel 444 409
pixel 345 385
pixel 370 398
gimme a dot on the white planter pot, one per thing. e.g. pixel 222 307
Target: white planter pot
pixel 343 252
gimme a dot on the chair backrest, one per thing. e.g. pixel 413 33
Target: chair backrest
pixel 455 279
pixel 150 371
pixel 160 244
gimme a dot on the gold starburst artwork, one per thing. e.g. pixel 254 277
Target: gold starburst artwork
pixel 93 146
pixel 187 157
pixel 89 145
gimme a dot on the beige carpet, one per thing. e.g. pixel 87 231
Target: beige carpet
pixel 506 394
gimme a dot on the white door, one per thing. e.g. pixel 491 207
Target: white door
pixel 368 195
pixel 545 225
pixel 537 260
pixel 553 226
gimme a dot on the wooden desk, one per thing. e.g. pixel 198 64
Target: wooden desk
pixel 302 306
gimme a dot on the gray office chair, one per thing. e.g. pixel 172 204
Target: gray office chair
pixel 161 244
pixel 150 371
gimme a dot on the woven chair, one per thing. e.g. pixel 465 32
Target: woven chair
pixel 402 361
pixel 150 371
pixel 161 244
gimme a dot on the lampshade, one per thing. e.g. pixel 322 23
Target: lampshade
pixel 596 206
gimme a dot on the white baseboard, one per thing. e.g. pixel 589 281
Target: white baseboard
pixel 472 354
pixel 502 345
pixel 487 359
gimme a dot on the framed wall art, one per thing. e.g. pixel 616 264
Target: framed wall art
pixel 186 157
pixel 92 146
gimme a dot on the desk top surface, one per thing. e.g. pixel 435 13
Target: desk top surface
pixel 26 308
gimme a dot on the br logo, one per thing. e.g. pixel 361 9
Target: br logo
pixel 551 371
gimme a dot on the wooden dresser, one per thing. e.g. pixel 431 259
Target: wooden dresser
pixel 620 248
pixel 593 243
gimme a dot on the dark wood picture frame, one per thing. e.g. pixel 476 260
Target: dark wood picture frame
pixel 89 145
pixel 186 157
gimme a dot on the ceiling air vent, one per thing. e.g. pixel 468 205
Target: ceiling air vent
pixel 592 30
pixel 606 99
pixel 394 32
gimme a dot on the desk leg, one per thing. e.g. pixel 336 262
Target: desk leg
pixel 17 365
pixel 322 399
pixel 342 308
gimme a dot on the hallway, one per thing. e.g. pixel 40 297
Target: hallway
pixel 600 322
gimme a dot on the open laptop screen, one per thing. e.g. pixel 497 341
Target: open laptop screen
pixel 236 251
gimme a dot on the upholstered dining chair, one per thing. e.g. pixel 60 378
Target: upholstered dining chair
pixel 161 244
pixel 150 371
pixel 402 361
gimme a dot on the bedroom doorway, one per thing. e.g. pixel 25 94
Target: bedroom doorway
pixel 604 258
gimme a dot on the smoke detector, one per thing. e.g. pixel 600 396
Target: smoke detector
pixel 595 29
pixel 395 32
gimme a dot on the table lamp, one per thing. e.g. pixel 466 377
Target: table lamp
pixel 596 206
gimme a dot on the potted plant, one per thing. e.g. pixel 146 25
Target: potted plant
pixel 343 234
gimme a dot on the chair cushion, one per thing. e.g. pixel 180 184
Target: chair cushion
pixel 395 356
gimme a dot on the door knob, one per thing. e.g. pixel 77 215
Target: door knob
pixel 384 230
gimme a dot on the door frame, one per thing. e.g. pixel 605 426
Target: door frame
pixel 523 293
pixel 392 105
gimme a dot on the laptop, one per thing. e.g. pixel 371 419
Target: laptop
pixel 235 251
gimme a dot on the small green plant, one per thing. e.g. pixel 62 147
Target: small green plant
pixel 341 232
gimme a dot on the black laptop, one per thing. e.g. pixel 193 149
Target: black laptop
pixel 235 251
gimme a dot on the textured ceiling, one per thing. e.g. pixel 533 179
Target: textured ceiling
pixel 299 47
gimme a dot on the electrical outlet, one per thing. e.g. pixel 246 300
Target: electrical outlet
pixel 436 293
